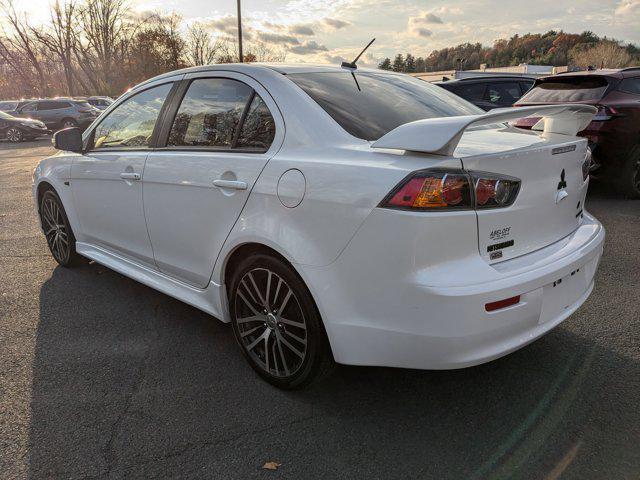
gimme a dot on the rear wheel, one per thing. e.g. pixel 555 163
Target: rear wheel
pixel 15 135
pixel 630 179
pixel 276 323
pixel 57 231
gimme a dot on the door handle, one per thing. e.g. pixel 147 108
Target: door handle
pixel 234 184
pixel 130 176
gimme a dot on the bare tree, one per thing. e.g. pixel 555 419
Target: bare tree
pixel 201 48
pixel 604 55
pixel 60 38
pixel 20 41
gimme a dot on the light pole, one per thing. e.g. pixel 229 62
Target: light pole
pixel 239 33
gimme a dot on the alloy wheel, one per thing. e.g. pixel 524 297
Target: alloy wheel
pixel 270 322
pixel 635 171
pixel 14 135
pixel 55 229
pixel 68 124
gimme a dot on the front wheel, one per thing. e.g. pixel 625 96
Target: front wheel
pixel 15 135
pixel 57 230
pixel 276 323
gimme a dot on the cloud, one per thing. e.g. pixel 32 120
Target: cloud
pixel 628 7
pixel 226 24
pixel 337 59
pixel 301 29
pixel 422 32
pixel 308 47
pixel 278 38
pixel 336 23
pixel 426 18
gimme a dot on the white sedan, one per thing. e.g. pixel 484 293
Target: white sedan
pixel 333 213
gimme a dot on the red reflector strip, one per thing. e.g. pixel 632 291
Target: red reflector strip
pixel 507 302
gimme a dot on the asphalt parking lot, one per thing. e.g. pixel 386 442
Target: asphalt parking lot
pixel 101 377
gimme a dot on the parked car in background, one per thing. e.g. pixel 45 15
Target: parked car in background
pixel 59 113
pixel 489 92
pixel 20 129
pixel 13 105
pixel 614 132
pixel 100 103
pixel 362 232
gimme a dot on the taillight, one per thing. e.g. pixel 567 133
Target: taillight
pixel 604 113
pixel 431 189
pixel 452 189
pixel 494 191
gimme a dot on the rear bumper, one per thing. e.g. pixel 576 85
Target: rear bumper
pixel 414 321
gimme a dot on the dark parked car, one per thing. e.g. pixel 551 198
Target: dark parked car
pixel 59 113
pixel 20 129
pixel 614 133
pixel 489 92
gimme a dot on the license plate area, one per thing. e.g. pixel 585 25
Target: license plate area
pixel 562 294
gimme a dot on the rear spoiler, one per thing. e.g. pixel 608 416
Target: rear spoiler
pixel 441 136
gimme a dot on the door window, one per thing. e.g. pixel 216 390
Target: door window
pixel 131 124
pixel 258 128
pixel 472 92
pixel 30 107
pixel 630 85
pixel 52 105
pixel 210 113
pixel 505 93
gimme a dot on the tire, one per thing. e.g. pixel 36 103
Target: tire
pixel 68 123
pixel 15 135
pixel 57 230
pixel 276 323
pixel 629 181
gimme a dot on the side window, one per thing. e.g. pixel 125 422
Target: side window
pixel 29 107
pixel 209 113
pixel 131 124
pixel 630 85
pixel 525 86
pixel 52 105
pixel 258 128
pixel 504 93
pixel 472 91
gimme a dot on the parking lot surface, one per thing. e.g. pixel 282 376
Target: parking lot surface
pixel 102 377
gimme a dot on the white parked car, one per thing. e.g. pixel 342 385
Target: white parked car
pixel 333 214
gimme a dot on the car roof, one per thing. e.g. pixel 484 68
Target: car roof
pixel 602 72
pixel 253 68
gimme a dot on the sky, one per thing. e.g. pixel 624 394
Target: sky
pixel 330 31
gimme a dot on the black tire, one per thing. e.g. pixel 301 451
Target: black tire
pixel 629 181
pixel 68 123
pixel 15 135
pixel 57 230
pixel 291 356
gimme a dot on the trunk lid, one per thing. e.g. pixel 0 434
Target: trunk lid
pixel 552 191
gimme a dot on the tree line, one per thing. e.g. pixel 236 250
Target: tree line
pixel 551 48
pixel 99 47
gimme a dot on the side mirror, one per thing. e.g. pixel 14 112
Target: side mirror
pixel 68 139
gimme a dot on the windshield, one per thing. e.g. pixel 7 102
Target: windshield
pixel 369 105
pixel 567 89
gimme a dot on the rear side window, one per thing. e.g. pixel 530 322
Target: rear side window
pixel 630 85
pixel 210 113
pixel 567 89
pixel 53 105
pixel 369 105
pixel 8 106
pixel 258 128
pixel 132 122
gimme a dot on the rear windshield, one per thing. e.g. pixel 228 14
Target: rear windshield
pixel 567 89
pixel 369 105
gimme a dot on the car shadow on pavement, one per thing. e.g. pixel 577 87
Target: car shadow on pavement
pixel 128 382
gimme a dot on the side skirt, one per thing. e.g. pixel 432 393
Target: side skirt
pixel 208 300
